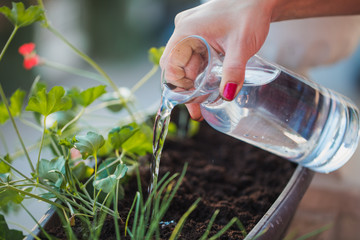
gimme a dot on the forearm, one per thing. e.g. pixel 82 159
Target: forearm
pixel 295 9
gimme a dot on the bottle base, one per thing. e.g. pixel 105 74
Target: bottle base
pixel 339 138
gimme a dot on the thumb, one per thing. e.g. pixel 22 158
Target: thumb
pixel 233 71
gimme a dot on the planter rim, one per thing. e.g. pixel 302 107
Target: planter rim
pixel 280 213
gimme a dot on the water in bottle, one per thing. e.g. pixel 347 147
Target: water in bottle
pixel 276 109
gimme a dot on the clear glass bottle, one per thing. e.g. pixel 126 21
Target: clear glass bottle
pixel 276 110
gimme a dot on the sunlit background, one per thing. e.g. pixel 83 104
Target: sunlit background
pixel 117 34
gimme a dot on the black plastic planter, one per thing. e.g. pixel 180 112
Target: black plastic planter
pixel 273 224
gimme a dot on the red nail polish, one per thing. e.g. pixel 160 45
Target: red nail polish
pixel 230 90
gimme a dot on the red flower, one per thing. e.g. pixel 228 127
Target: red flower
pixel 26 48
pixel 31 59
pixel 29 63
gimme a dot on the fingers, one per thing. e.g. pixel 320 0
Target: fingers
pixel 233 71
pixel 194 111
pixel 176 76
pixel 184 63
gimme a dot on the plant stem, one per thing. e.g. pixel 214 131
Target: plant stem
pixel 95 175
pixel 16 181
pixel 145 78
pixel 73 120
pixel 40 148
pixel 29 148
pixel 92 63
pixel 101 170
pixel 37 223
pixel 30 124
pixel 116 211
pixel 25 229
pixel 95 170
pixel 17 171
pixel 83 201
pixel 43 186
pixel 103 105
pixel 3 96
pixel 55 147
pixel 34 196
pixel 8 42
pixel 15 127
pixel 74 71
pixel 107 210
pixel 86 58
pixel 61 197
pixel 6 148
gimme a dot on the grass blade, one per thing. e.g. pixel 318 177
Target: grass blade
pixel 180 224
pixel 242 229
pixel 130 211
pixel 137 210
pixel 315 232
pixel 224 229
pixel 208 228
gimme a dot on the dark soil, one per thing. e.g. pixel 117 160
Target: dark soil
pixel 227 174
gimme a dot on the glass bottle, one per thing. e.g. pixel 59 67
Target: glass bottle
pixel 276 109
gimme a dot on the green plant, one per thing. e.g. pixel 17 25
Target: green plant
pixel 81 190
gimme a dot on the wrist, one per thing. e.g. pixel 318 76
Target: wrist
pixel 278 8
pixel 271 8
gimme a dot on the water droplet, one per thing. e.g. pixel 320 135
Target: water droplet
pixel 166 223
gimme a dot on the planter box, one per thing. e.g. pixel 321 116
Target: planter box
pixel 277 218
pixel 275 221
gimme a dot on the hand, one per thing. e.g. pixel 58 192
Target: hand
pixel 235 28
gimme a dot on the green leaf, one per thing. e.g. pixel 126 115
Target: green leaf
pixel 6 233
pixel 106 181
pixel 8 195
pixel 16 103
pixel 36 87
pixel 155 54
pixel 88 96
pixel 119 135
pixel 108 166
pixel 106 149
pixel 89 145
pixel 21 17
pixel 81 171
pixel 132 138
pixel 5 168
pixel 67 142
pixel 52 170
pixel 47 103
pixel 140 142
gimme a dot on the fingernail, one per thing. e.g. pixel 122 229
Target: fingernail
pixel 229 91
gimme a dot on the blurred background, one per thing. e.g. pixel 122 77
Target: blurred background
pixel 118 34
